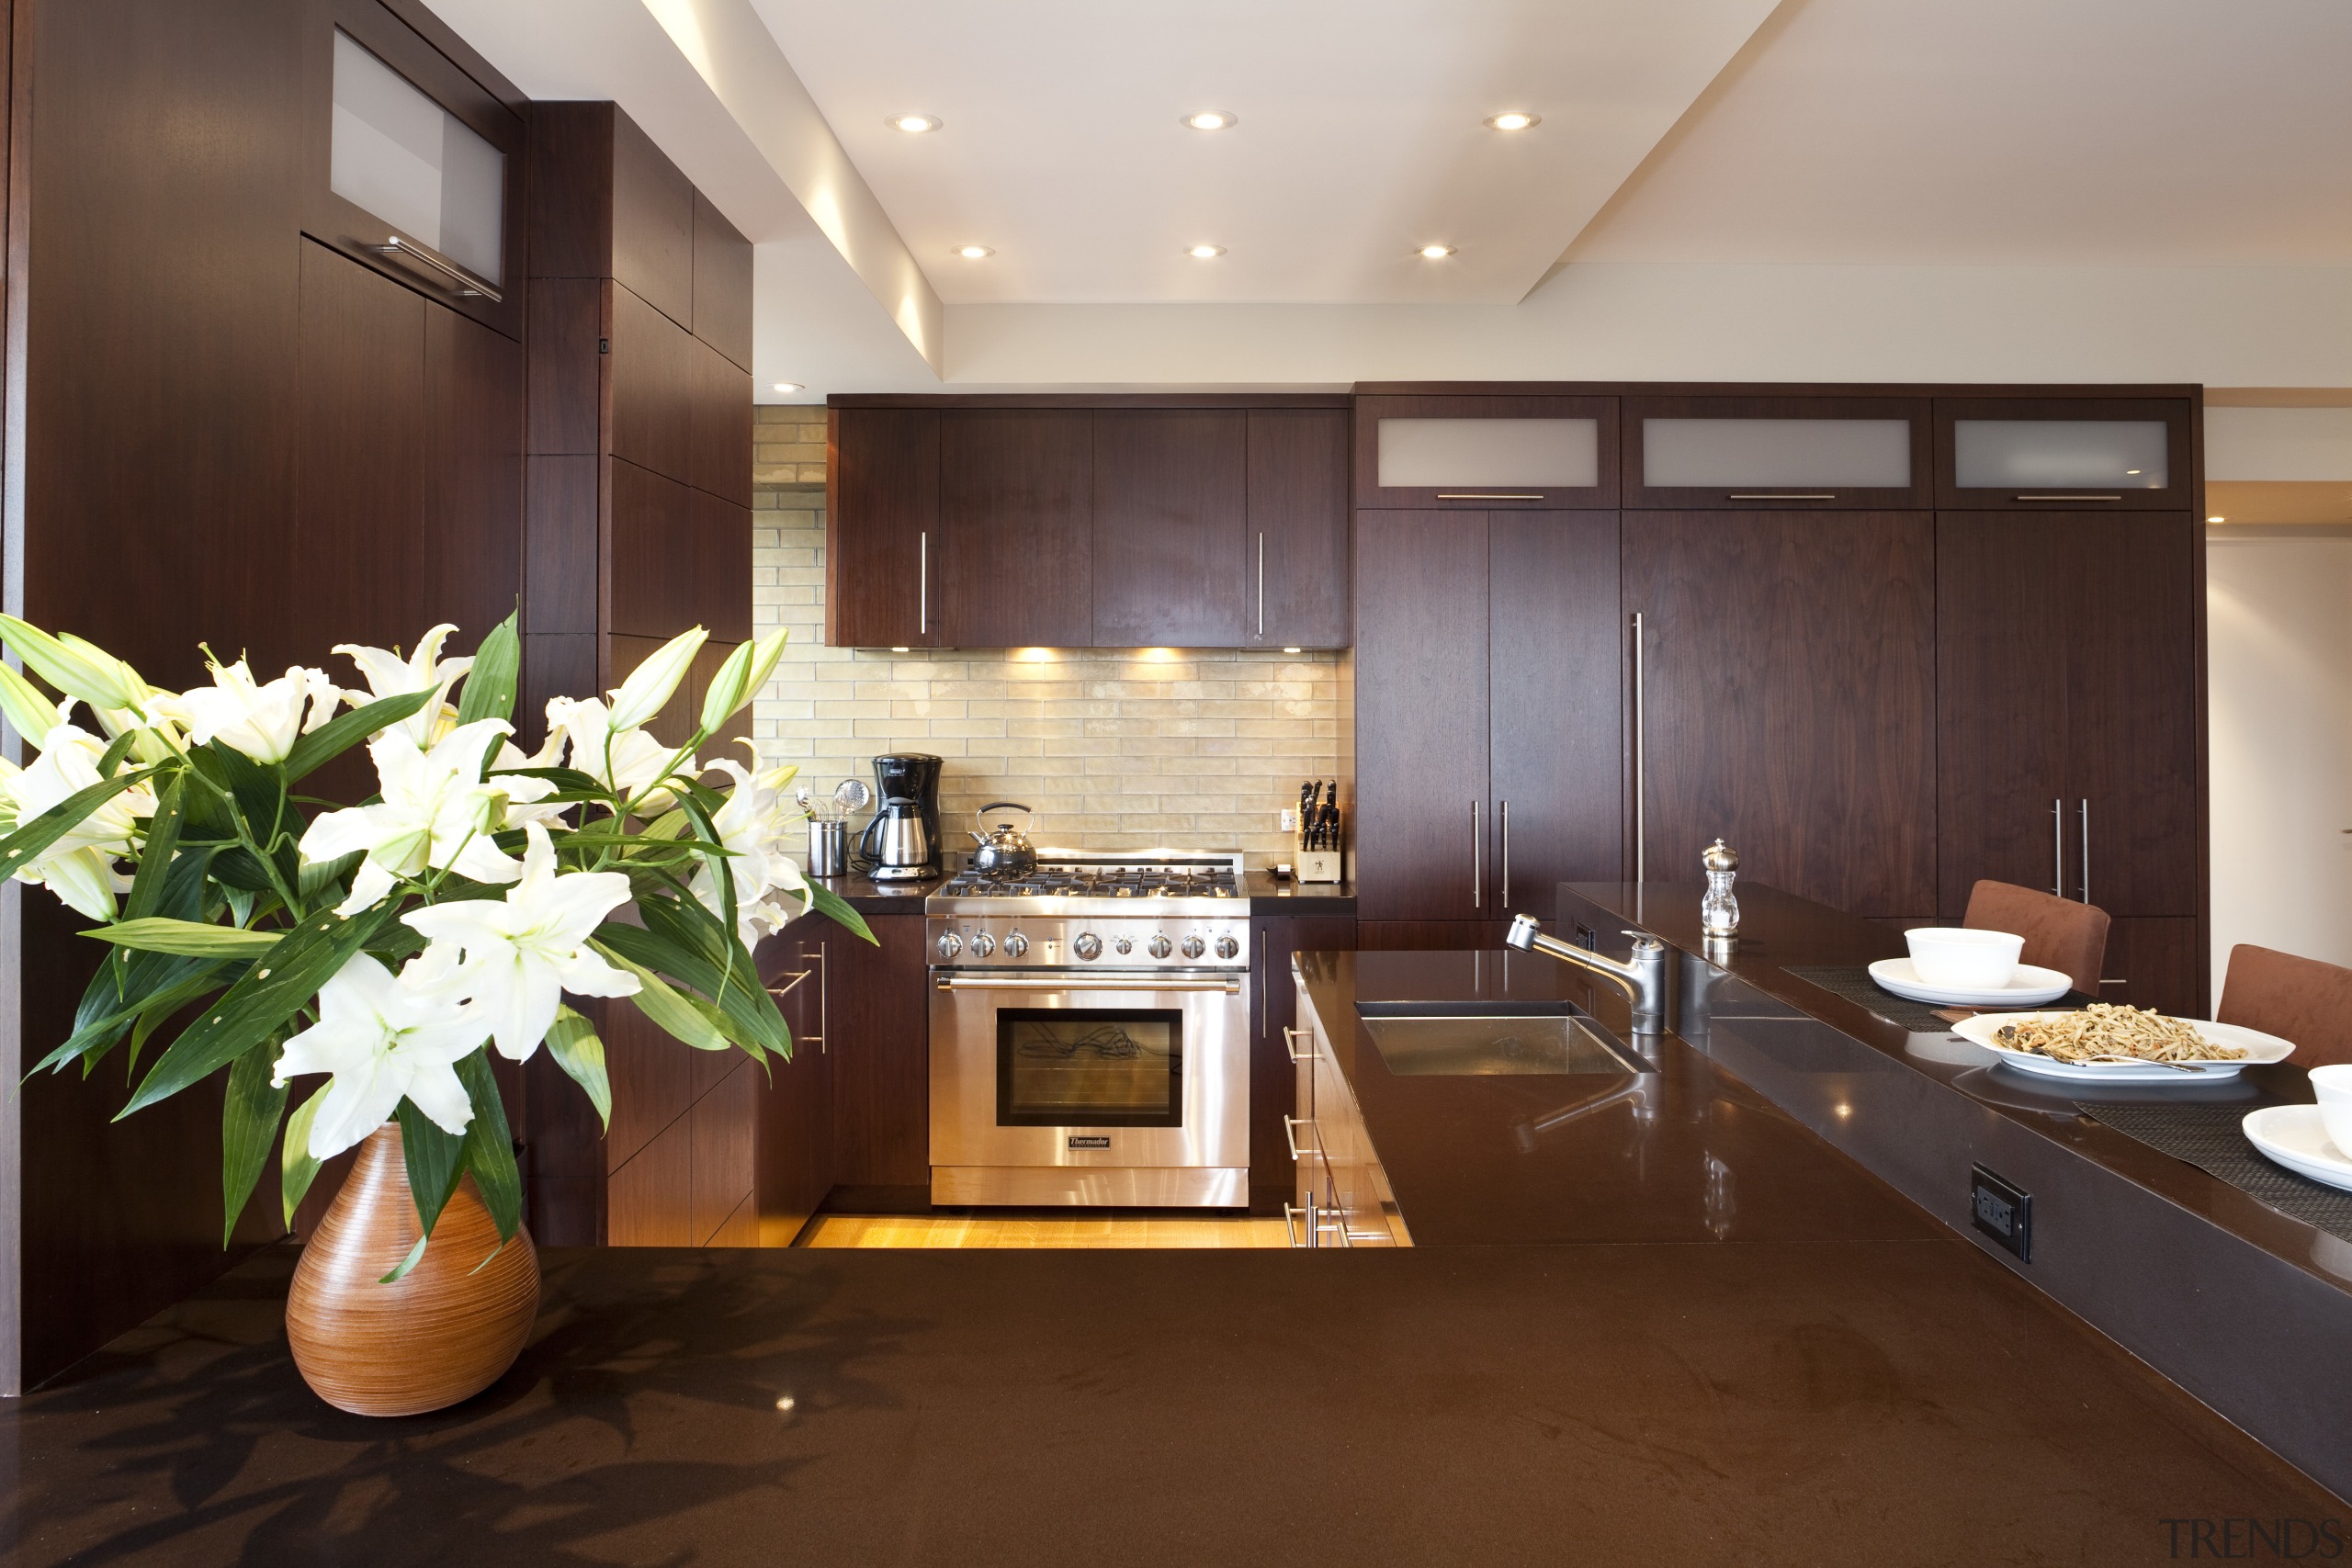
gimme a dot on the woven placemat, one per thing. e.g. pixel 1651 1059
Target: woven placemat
pixel 1853 983
pixel 2210 1137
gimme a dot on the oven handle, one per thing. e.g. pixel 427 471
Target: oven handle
pixel 1139 983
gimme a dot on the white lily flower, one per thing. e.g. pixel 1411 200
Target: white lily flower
pixel 390 676
pixel 436 813
pixel 516 956
pixel 262 721
pixel 383 1037
pixel 627 761
pixel 755 824
pixel 79 867
pixel 524 796
pixel 649 687
pixel 73 665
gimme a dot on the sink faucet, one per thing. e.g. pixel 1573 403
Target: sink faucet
pixel 1643 980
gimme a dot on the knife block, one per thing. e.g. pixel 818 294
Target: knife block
pixel 1317 865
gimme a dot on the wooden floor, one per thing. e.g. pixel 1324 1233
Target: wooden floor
pixel 1045 1228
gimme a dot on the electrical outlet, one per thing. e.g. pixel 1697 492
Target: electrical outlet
pixel 1290 821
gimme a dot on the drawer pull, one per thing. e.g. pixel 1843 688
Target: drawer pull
pixel 1291 1124
pixel 1289 1044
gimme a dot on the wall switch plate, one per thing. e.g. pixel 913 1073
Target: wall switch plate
pixel 2001 1211
pixel 1290 821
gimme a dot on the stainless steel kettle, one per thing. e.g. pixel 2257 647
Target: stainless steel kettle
pixel 1004 852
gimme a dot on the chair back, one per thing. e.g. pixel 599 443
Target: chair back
pixel 2059 933
pixel 2299 999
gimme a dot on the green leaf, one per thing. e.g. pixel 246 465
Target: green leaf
pixel 315 877
pixel 116 749
pixel 97 1032
pixel 489 686
pixel 690 1019
pixel 298 1169
pixel 435 1159
pixel 577 1050
pixel 31 837
pixel 343 731
pixel 155 855
pixel 833 906
pixel 260 798
pixel 256 1005
pixel 189 939
pixel 671 943
pixel 248 1122
pixel 490 1146
pixel 405 1264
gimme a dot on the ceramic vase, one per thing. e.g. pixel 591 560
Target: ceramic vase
pixel 443 1331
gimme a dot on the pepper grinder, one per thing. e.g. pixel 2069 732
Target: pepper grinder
pixel 1719 911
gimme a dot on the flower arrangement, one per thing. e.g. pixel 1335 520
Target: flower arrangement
pixel 392 944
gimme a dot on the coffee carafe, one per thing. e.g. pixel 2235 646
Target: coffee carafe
pixel 901 843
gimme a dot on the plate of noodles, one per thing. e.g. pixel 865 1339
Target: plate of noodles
pixel 2109 1043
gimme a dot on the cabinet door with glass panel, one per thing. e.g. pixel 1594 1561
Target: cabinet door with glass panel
pixel 415 169
pixel 1445 451
pixel 2033 454
pixel 1753 451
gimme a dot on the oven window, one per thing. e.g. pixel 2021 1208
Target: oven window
pixel 1089 1067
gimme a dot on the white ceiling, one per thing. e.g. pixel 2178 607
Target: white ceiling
pixel 1360 135
pixel 2140 132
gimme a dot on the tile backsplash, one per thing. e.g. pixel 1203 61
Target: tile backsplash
pixel 1114 748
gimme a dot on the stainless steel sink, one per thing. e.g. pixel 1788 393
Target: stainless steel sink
pixel 1489 1043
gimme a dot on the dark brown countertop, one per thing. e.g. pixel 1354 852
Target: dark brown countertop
pixel 868 896
pixel 1266 895
pixel 1887 1402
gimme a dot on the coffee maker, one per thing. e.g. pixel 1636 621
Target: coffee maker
pixel 902 842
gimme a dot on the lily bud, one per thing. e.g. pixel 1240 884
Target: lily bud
pixel 649 687
pixel 33 715
pixel 98 680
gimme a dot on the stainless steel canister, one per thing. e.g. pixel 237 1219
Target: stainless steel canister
pixel 827 848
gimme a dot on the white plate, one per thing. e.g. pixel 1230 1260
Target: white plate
pixel 2028 985
pixel 2292 1135
pixel 2259 1047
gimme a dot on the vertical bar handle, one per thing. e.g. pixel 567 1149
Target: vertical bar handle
pixel 824 997
pixel 1640 781
pixel 2058 848
pixel 923 583
pixel 1502 810
pixel 1476 902
pixel 1261 582
pixel 2087 851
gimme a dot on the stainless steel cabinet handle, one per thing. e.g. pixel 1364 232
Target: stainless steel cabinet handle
pixel 1262 583
pixel 791 983
pixel 1503 811
pixel 1290 1214
pixel 2087 851
pixel 1089 983
pixel 1487 495
pixel 2058 848
pixel 1780 495
pixel 2070 498
pixel 1475 902
pixel 923 581
pixel 1641 821
pixel 824 998
pixel 1291 1124
pixel 463 284
pixel 1289 1044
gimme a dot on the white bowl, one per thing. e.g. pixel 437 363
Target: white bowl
pixel 2331 1086
pixel 1951 955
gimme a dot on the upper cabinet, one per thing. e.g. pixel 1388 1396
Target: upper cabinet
pixel 2134 453
pixel 1171 526
pixel 415 169
pixel 1747 452
pixel 1297 543
pixel 1482 453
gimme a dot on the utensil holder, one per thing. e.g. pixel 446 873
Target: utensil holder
pixel 827 848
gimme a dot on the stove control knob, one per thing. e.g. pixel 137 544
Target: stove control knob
pixel 1227 948
pixel 950 944
pixel 1088 945
pixel 1195 947
pixel 1016 945
pixel 983 944
pixel 1123 946
pixel 1158 947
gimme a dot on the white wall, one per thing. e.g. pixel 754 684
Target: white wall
pixel 2280 638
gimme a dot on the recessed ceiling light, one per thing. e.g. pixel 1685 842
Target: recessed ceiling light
pixel 974 252
pixel 914 124
pixel 1211 119
pixel 1206 253
pixel 1514 120
pixel 1436 253
pixel 787 386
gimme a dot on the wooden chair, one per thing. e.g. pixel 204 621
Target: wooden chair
pixel 2058 933
pixel 2299 999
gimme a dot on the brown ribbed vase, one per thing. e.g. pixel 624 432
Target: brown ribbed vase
pixel 440 1334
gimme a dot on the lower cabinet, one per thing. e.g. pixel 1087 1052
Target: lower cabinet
pixel 679 1155
pixel 1341 1191
pixel 1272 1013
pixel 794 1124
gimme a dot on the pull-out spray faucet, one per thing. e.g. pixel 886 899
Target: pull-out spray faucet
pixel 1644 979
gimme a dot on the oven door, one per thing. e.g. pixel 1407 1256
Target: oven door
pixel 1095 1073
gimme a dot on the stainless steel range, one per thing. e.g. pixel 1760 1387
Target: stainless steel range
pixel 1090 1032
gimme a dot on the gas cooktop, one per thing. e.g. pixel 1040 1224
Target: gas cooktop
pixel 1085 882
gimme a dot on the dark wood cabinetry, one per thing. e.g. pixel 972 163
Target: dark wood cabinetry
pixel 1522 473
pixel 794 1120
pixel 1274 1012
pixel 1787 700
pixel 1016 516
pixel 1171 527
pixel 2077 451
pixel 1298 527
pixel 1807 453
pixel 878 1034
pixel 883 528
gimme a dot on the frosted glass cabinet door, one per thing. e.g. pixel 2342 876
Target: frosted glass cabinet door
pixel 414 169
pixel 1771 452
pixel 1444 451
pixel 2115 453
